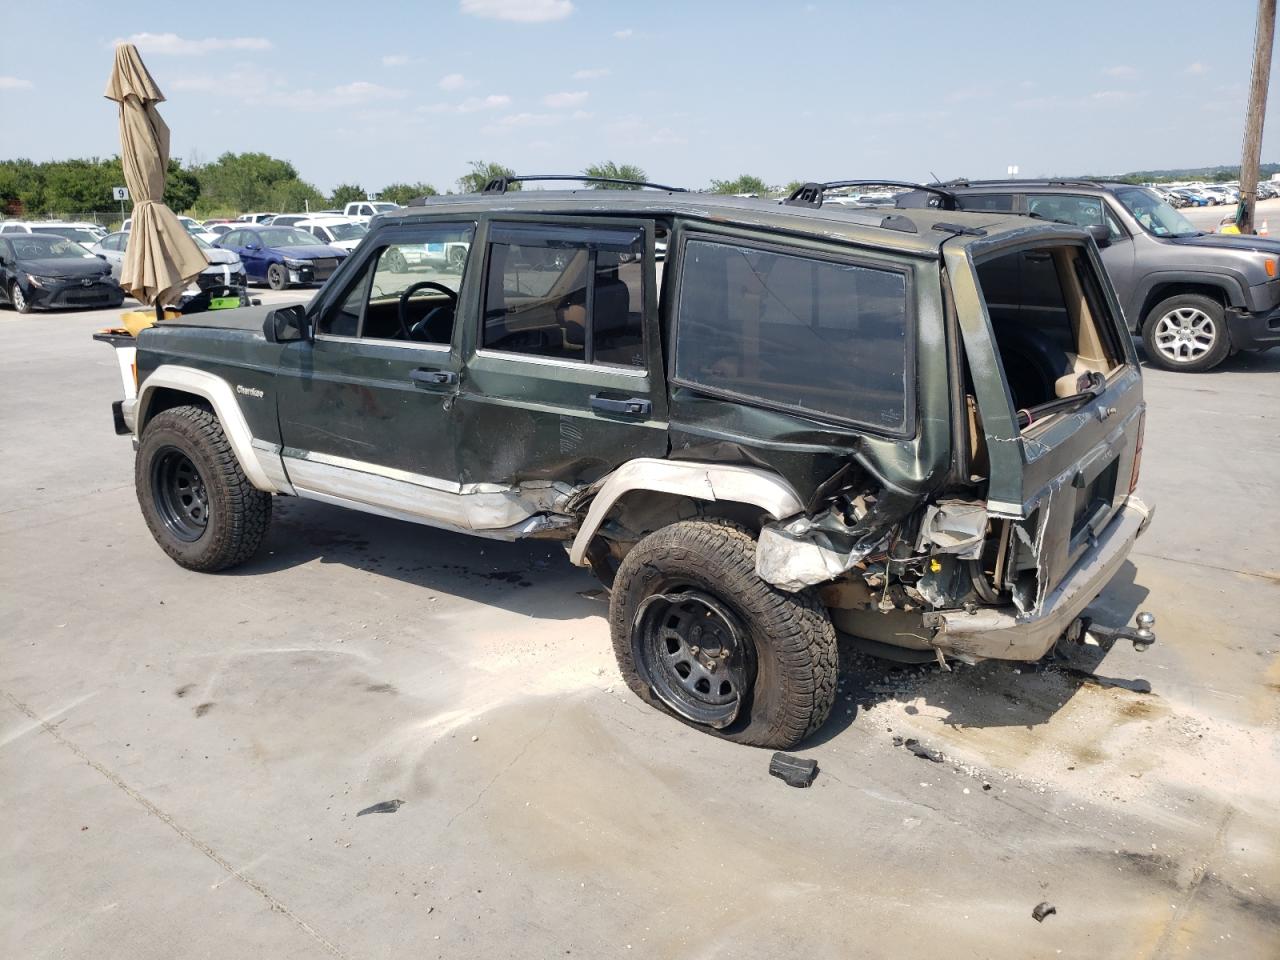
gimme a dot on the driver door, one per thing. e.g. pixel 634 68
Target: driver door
pixel 364 406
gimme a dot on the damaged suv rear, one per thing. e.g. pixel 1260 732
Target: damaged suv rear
pixel 922 430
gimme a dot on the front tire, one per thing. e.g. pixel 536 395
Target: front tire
pixel 1186 333
pixel 699 636
pixel 198 504
pixel 277 276
pixel 18 298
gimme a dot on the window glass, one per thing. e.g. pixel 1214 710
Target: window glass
pixel 568 293
pixel 371 307
pixel 234 239
pixel 1082 211
pixel 986 201
pixel 794 331
pixel 1154 215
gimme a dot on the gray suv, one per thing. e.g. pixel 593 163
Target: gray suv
pixel 1194 297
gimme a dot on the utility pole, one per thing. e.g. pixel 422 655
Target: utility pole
pixel 1263 39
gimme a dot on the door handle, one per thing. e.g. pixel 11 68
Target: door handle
pixel 423 377
pixel 631 407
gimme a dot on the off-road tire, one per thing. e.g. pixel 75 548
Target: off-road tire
pixel 18 299
pixel 278 276
pixel 238 513
pixel 1211 308
pixel 795 645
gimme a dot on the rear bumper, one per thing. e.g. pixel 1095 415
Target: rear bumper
pixel 1004 634
pixel 1254 331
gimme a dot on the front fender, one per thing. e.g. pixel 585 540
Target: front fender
pixel 259 459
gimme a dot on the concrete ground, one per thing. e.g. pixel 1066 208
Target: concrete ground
pixel 185 758
pixel 1210 218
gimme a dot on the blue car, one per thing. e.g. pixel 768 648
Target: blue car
pixel 280 256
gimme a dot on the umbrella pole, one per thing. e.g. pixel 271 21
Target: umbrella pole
pixel 159 310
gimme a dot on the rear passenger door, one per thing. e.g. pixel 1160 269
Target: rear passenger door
pixel 563 378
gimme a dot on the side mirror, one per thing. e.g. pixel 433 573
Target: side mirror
pixel 287 324
pixel 1101 235
pixel 101 256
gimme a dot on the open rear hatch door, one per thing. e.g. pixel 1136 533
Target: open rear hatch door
pixel 1056 397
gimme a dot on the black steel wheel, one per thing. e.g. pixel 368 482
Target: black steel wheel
pixel 693 652
pixel 700 636
pixel 197 501
pixel 181 499
pixel 277 276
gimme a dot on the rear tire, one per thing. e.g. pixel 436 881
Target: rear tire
pixel 789 659
pixel 277 276
pixel 1186 333
pixel 200 507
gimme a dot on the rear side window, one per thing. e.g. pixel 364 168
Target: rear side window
pixel 570 293
pixel 795 331
pixel 986 201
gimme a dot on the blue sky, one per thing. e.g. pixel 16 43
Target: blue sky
pixel 380 92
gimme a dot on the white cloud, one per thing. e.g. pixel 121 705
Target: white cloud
pixel 395 60
pixel 1197 69
pixel 573 98
pixel 530 119
pixel 493 101
pixel 594 74
pixel 1122 71
pixel 361 91
pixel 623 34
pixel 15 83
pixel 452 81
pixel 581 115
pixel 1113 96
pixel 667 136
pixel 172 44
pixel 521 11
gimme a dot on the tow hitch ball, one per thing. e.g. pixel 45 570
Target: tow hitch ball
pixel 1142 636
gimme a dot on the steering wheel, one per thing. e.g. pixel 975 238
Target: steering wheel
pixel 414 288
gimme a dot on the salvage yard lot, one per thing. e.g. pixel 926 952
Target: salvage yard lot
pixel 185 757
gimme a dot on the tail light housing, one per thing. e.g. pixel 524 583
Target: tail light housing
pixel 1137 452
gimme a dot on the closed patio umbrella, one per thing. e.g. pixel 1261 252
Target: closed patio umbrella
pixel 161 257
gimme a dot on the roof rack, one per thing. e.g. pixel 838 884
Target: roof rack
pixel 500 184
pixel 1033 181
pixel 811 194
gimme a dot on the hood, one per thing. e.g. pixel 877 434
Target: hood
pixel 218 255
pixel 1231 241
pixel 64 267
pixel 248 319
pixel 309 252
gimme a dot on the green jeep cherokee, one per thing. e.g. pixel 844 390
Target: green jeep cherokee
pixel 762 425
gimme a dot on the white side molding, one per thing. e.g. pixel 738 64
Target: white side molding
pixel 262 466
pixel 701 481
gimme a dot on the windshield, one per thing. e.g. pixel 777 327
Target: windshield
pixel 192 226
pixel 79 234
pixel 384 207
pixel 347 231
pixel 1156 217
pixel 287 238
pixel 33 246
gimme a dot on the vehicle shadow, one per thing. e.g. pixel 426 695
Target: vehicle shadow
pixel 531 577
pixel 993 693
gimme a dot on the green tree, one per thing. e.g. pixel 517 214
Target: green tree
pixel 619 171
pixel 792 186
pixel 743 184
pixel 346 193
pixel 402 193
pixel 181 187
pixel 243 181
pixel 481 173
pixel 295 196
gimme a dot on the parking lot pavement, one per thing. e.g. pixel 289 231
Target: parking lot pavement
pixel 1210 218
pixel 186 758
